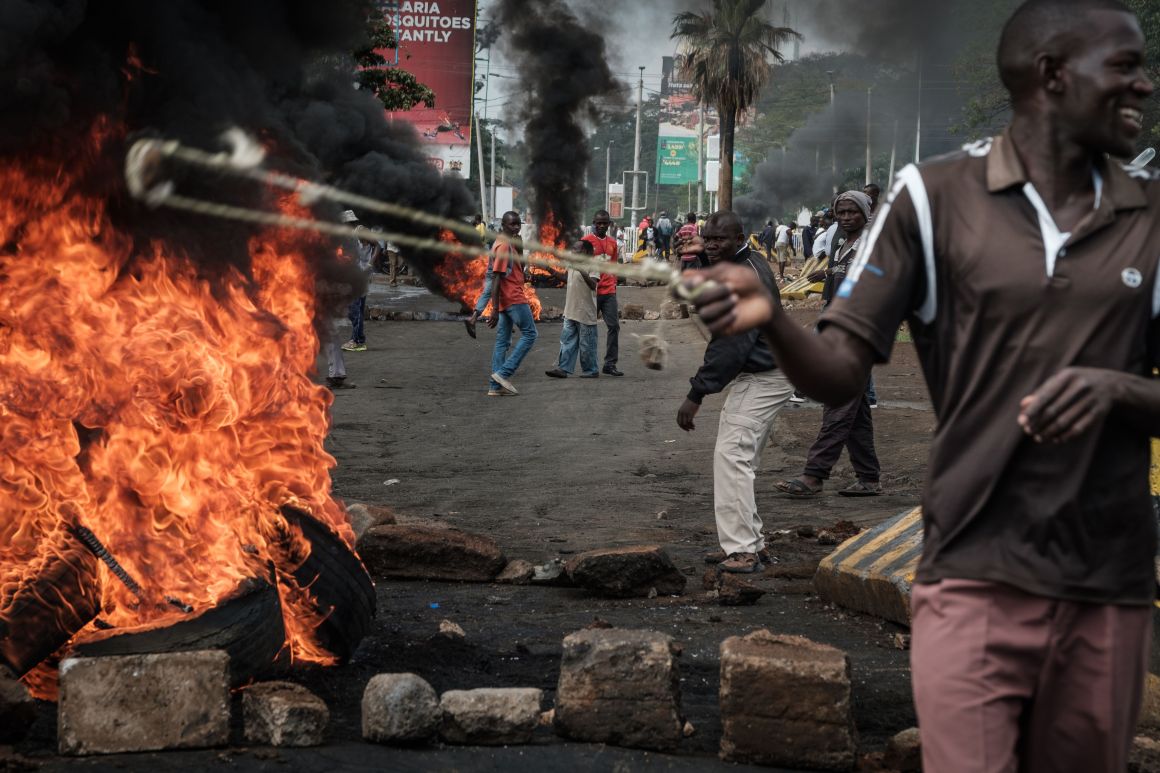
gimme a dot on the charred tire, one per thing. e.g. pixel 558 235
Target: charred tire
pixel 247 625
pixel 339 584
pixel 45 614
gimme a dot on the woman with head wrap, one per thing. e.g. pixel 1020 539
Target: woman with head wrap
pixel 847 426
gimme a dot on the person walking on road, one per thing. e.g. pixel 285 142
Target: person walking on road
pixel 511 309
pixel 759 391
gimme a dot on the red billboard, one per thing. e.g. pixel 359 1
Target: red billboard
pixel 437 46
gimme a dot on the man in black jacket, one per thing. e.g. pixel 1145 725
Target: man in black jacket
pixel 759 391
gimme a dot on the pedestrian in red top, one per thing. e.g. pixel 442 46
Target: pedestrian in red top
pixel 1026 269
pixel 603 244
pixel 511 309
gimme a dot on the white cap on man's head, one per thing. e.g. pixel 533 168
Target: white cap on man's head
pixel 348 216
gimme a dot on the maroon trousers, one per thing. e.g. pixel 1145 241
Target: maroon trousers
pixel 1008 681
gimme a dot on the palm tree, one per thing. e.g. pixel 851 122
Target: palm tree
pixel 725 54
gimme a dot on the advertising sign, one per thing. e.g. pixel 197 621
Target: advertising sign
pixel 504 199
pixel 681 129
pixel 616 200
pixel 437 46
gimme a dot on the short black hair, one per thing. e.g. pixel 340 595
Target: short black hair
pixel 691 217
pixel 585 246
pixel 1040 26
pixel 600 212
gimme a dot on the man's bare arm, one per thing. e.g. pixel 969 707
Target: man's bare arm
pixel 832 366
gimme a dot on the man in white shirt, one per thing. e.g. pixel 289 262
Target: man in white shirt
pixel 784 245
pixel 579 334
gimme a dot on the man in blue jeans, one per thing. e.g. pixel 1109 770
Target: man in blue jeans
pixel 579 333
pixel 511 310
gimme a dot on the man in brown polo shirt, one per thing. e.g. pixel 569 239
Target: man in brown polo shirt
pixel 1026 267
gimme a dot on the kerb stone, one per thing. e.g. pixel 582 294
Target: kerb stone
pixel 785 702
pixel 872 572
pixel 490 716
pixel 136 703
pixel 284 714
pixel 620 687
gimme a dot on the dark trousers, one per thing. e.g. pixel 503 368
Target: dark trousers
pixel 847 426
pixel 357 313
pixel 610 313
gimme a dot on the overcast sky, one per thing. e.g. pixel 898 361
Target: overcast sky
pixel 637 35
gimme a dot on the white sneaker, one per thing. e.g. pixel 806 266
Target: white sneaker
pixel 796 398
pixel 503 382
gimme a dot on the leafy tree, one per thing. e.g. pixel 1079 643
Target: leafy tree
pixel 726 56
pixel 396 88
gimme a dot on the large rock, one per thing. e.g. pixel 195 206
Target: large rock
pixel 17 710
pixel 490 716
pixel 732 591
pixel 424 553
pixel 399 708
pixel 632 311
pixel 785 702
pixel 284 714
pixel 620 687
pixel 363 517
pixel 136 703
pixel 873 571
pixel 627 572
pixel 904 752
pixel 517 572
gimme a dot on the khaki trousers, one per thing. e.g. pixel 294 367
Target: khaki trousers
pixel 1007 681
pixel 746 420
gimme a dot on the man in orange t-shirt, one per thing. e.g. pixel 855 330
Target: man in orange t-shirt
pixel 511 309
pixel 603 244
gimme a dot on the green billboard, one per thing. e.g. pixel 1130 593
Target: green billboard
pixel 676 160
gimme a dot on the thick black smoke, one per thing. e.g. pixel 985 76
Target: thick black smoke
pixel 189 69
pixel 562 67
pixel 908 50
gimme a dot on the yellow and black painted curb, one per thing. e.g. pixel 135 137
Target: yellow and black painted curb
pixel 872 572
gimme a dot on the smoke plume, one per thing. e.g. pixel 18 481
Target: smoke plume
pixel 563 67
pixel 188 70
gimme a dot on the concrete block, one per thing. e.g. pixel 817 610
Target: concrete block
pixel 490 716
pixel 872 572
pixel 399 708
pixel 136 703
pixel 284 714
pixel 620 687
pixel 785 702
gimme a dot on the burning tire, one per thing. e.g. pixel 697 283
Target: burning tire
pixel 247 625
pixel 45 612
pixel 338 581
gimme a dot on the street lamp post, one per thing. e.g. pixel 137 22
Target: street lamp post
pixel 608 174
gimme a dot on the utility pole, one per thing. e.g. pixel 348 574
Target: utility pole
pixel 486 105
pixel 608 174
pixel 479 156
pixel 869 171
pixel 700 159
pixel 636 148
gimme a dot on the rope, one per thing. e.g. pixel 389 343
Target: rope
pixel 145 181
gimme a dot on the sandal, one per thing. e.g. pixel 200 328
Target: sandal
pixel 861 488
pixel 797 488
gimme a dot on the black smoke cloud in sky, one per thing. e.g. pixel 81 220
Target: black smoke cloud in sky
pixel 189 69
pixel 563 67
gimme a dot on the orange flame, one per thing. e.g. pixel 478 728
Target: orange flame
pixel 462 278
pixel 172 416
